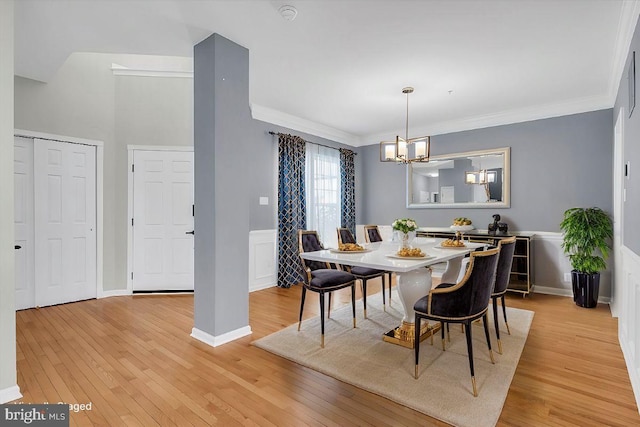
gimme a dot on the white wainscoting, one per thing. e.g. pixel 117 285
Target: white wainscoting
pixel 262 259
pixel 629 316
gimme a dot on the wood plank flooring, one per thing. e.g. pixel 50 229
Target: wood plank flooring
pixel 132 358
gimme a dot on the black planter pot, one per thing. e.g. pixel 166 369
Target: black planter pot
pixel 585 288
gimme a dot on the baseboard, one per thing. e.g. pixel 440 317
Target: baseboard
pixel 113 293
pixel 214 341
pixel 261 287
pixel 9 394
pixel 563 293
pixel 634 376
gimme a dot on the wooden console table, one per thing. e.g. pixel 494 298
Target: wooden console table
pixel 522 267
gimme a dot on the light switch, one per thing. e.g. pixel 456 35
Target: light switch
pixel 264 201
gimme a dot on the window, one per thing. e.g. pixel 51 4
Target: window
pixel 323 192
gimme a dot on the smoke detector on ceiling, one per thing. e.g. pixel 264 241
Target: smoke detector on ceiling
pixel 288 12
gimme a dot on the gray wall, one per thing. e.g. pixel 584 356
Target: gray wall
pixel 631 219
pixel 556 164
pixel 86 100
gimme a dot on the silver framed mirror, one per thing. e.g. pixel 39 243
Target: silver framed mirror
pixel 474 179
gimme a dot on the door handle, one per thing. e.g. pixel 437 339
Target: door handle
pixel 18 247
pixel 190 232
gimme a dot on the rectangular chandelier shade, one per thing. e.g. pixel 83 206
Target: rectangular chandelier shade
pixel 406 150
pixel 481 176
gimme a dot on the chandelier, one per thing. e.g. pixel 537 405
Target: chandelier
pixel 406 150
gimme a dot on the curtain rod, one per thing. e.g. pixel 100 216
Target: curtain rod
pixel 311 142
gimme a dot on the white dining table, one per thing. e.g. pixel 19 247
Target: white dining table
pixel 413 275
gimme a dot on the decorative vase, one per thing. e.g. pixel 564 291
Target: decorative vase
pixel 404 240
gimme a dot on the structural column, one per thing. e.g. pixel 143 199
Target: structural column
pixel 222 123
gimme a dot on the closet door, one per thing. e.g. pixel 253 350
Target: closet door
pixel 23 217
pixel 65 215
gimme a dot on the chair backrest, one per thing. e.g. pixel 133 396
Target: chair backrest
pixel 372 234
pixel 477 283
pixel 345 236
pixel 308 241
pixel 507 248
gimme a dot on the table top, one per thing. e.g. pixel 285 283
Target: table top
pixel 381 255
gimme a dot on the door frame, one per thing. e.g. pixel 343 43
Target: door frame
pixel 100 293
pixel 618 291
pixel 130 152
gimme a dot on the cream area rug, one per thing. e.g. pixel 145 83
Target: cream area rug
pixel 443 390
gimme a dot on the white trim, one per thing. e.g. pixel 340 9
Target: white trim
pixel 269 115
pixel 99 191
pixel 119 70
pixel 626 27
pixel 53 137
pixel 263 259
pixel 547 290
pixel 628 332
pixel 261 287
pixel 114 293
pixel 537 112
pixel 129 216
pixel 215 341
pixel 130 150
pixel 160 147
pixel 10 393
pixel 545 235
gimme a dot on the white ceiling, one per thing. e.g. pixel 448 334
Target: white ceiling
pixel 338 69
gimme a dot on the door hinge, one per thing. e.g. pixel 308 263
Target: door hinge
pixel 132 222
pixel 193 210
pixel 132 275
pixel 133 167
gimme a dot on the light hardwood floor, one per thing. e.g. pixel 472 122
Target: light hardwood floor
pixel 132 358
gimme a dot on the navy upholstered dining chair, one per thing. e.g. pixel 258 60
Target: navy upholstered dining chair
pixel 363 273
pixel 322 278
pixel 461 302
pixel 372 235
pixel 506 248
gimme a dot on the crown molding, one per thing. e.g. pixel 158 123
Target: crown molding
pixel 279 118
pixel 580 105
pixel 119 70
pixel 626 27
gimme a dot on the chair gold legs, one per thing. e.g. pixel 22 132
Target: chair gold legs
pixel 443 344
pixel 491 356
pixel 475 390
pixel 322 341
pixel 499 346
pixel 416 372
pixel 508 330
pixel 299 323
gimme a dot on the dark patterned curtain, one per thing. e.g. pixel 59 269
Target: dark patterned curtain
pixel 348 191
pixel 291 207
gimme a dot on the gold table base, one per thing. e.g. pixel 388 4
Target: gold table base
pixel 404 334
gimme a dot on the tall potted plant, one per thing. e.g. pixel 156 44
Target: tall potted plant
pixel 586 240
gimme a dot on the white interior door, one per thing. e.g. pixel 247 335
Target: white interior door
pixel 162 220
pixel 65 222
pixel 23 217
